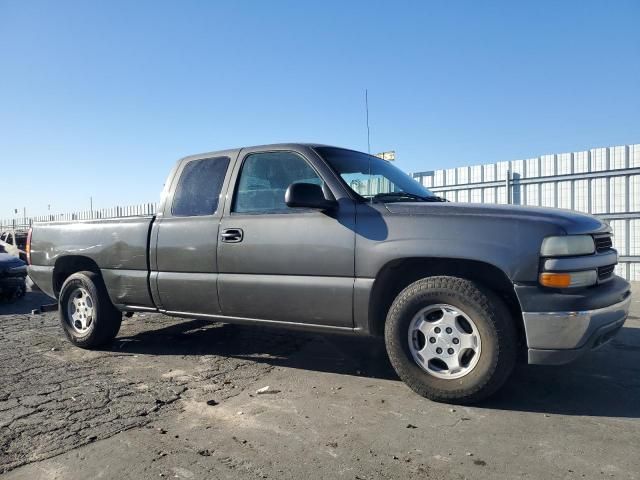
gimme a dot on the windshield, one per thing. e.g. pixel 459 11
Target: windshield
pixel 373 178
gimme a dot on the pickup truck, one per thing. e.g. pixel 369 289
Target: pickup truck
pixel 326 239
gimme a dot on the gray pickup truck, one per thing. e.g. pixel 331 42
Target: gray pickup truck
pixel 327 239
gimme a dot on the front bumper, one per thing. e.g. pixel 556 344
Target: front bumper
pixel 559 337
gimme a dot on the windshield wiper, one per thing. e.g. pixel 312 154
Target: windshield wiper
pixel 399 195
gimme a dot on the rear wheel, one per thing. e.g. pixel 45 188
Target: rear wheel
pixel 87 315
pixel 450 340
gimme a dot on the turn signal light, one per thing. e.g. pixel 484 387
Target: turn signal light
pixel 569 279
pixel 555 280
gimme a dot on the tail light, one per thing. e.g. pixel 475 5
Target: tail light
pixel 28 246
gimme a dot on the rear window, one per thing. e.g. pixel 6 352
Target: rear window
pixel 198 190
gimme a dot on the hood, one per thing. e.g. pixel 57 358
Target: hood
pixel 9 261
pixel 573 223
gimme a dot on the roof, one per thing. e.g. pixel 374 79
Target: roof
pixel 278 146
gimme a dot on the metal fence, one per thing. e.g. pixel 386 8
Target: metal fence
pixel 113 212
pixel 602 181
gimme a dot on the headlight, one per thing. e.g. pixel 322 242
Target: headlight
pixel 567 246
pixel 569 280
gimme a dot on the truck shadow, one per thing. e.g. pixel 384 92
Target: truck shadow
pixel 339 354
pixel 20 306
pixel 604 383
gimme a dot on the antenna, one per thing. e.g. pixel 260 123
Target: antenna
pixel 366 106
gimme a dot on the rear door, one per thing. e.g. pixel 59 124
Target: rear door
pixel 285 264
pixel 185 234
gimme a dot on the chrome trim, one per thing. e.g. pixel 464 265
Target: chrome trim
pixel 134 308
pixel 568 330
pixel 312 327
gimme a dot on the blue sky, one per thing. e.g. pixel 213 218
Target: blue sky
pixel 100 98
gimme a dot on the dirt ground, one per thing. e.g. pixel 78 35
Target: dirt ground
pixel 177 398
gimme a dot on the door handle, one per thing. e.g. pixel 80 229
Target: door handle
pixel 232 235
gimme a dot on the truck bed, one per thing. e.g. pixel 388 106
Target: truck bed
pixel 118 247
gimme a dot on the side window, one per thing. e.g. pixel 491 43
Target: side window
pixel 264 179
pixel 198 189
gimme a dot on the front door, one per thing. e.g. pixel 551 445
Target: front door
pixel 279 263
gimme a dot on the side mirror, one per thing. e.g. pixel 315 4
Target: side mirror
pixel 308 195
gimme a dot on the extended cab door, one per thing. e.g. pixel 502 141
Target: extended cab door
pixel 184 267
pixel 279 263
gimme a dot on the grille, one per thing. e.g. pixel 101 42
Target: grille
pixel 603 243
pixel 605 272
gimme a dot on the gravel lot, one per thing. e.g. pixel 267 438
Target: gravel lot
pixel 177 398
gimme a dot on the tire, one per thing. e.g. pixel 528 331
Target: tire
pixel 484 325
pixel 96 321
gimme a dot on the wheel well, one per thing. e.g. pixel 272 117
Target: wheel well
pixel 67 266
pixel 398 274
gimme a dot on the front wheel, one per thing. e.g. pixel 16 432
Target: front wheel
pixel 87 315
pixel 450 340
